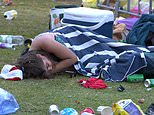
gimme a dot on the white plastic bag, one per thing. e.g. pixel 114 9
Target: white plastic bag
pixel 8 103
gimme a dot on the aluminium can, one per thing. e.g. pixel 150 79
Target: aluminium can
pixel 149 83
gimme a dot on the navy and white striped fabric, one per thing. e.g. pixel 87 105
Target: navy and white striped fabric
pixel 99 55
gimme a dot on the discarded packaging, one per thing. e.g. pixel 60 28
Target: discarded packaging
pixel 126 107
pixel 149 83
pixel 53 110
pixel 135 78
pixel 104 110
pixel 148 89
pixel 8 103
pixel 6 45
pixel 68 111
pixel 12 39
pixel 9 15
pixel 87 111
pixel 120 88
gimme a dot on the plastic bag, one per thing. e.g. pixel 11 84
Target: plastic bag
pixel 8 103
pixel 126 107
pixel 68 111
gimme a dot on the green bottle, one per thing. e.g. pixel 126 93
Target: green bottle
pixel 135 78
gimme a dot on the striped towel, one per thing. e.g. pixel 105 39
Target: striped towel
pixel 102 56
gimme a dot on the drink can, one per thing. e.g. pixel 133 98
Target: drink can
pixel 149 83
pixel 135 78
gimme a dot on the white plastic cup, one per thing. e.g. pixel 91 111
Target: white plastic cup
pixel 104 110
pixel 53 110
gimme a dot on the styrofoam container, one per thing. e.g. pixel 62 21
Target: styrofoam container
pixel 100 21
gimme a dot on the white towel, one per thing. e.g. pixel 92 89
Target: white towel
pixel 11 72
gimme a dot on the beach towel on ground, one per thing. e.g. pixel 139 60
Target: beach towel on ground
pixel 98 54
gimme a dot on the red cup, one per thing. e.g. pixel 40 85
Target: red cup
pixel 88 110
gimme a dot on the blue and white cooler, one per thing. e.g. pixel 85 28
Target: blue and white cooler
pixel 100 21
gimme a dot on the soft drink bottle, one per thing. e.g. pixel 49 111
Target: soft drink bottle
pixel 135 78
pixel 9 15
pixel 12 39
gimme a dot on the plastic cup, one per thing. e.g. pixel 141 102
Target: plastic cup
pixel 87 111
pixel 53 110
pixel 104 110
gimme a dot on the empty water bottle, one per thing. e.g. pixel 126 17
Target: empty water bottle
pixel 9 15
pixel 7 45
pixel 12 39
pixel 8 103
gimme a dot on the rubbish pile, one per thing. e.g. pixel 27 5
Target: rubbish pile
pixel 122 107
pixel 10 41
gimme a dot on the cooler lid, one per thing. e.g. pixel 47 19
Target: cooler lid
pixel 88 14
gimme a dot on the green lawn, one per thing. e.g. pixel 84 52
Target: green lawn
pixel 35 96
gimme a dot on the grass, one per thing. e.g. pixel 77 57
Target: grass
pixel 35 96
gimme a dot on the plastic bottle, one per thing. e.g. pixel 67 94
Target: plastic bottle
pixel 12 39
pixel 135 78
pixel 9 15
pixel 6 45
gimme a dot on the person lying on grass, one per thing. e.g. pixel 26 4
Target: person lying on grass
pixel 89 53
